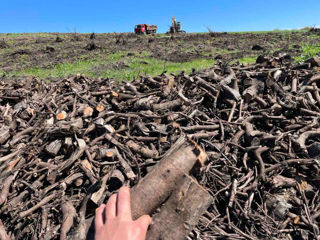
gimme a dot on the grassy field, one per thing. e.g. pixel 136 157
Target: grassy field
pixel 125 56
pixel 129 67
pixel 308 51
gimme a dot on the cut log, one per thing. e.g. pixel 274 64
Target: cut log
pixel 181 212
pixel 156 186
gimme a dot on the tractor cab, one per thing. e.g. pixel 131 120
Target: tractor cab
pixel 140 28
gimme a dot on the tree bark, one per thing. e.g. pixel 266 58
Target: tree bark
pixel 181 213
pixel 156 186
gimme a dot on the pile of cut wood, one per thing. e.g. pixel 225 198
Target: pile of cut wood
pixel 227 152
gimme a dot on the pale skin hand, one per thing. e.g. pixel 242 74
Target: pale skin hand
pixel 114 221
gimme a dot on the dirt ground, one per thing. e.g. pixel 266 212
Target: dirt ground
pixel 44 50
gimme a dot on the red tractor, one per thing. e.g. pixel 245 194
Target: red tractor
pixel 145 29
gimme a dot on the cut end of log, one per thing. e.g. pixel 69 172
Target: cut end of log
pixel 100 108
pixel 115 94
pixel 87 112
pixel 61 116
pixel 109 154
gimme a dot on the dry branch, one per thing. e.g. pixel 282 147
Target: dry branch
pixel 68 214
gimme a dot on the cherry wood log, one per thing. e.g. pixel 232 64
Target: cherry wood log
pixel 157 185
pixel 181 212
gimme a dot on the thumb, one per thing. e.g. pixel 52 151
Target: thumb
pixel 143 222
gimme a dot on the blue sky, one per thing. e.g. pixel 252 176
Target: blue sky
pixel 122 15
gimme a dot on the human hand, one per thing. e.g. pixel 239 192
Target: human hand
pixel 114 221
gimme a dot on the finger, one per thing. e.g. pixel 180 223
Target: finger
pixel 111 208
pixel 99 218
pixel 143 222
pixel 123 203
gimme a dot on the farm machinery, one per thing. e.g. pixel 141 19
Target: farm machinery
pixel 145 29
pixel 176 26
pixel 148 29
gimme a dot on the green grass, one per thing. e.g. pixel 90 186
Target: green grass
pixel 23 35
pixel 135 67
pixel 313 37
pixel 247 60
pixel 308 52
pixel 272 31
pixel 12 49
pixel 11 42
pixel 225 51
pixel 100 64
pixel 216 51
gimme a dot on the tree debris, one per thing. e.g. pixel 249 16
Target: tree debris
pixel 250 134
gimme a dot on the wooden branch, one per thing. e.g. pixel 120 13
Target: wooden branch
pixel 300 142
pixel 4 134
pixel 13 154
pixel 6 187
pixel 257 154
pixel 196 128
pixel 142 150
pixel 76 155
pixel 38 205
pixel 126 167
pixel 167 105
pixel 68 214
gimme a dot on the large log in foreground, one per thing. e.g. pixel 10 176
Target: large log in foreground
pixel 181 212
pixel 159 183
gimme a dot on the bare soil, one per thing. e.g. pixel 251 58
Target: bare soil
pixel 18 53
